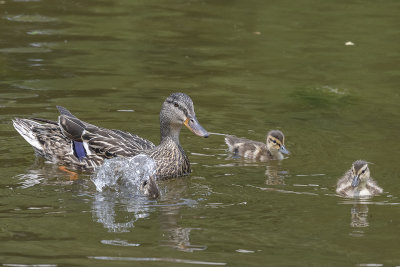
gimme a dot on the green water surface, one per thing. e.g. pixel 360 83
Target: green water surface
pixel 249 66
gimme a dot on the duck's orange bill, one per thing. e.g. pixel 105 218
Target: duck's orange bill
pixel 72 175
pixel 194 126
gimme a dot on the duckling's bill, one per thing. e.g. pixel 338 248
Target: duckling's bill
pixel 194 126
pixel 283 150
pixel 356 181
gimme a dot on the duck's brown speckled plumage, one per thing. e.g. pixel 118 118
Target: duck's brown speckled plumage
pixel 166 155
pixel 54 140
pixel 271 149
pixel 365 187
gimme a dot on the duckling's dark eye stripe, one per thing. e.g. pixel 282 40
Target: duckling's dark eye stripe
pixel 184 110
pixel 275 141
pixel 363 170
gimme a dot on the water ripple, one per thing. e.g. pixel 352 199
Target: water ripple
pixel 121 243
pixel 107 258
pixel 283 191
pixel 35 49
pixel 27 265
pixel 30 18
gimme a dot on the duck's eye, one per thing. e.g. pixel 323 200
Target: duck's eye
pixel 176 104
pixel 363 171
pixel 274 141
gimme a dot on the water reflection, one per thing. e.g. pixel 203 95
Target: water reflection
pixel 31 178
pixel 359 216
pixel 118 212
pixel 41 172
pixel 274 175
pixel 359 219
pixel 178 237
pixel 29 18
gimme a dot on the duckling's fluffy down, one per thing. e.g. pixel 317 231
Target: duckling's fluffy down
pixel 246 148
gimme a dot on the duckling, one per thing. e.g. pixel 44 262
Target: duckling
pixel 357 182
pixel 272 149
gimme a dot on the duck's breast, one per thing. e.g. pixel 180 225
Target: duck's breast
pixel 171 160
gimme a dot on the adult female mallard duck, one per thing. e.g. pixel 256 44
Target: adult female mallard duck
pixel 357 182
pixel 272 149
pixel 81 145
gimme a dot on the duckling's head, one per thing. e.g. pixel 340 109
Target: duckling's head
pixel 178 110
pixel 149 188
pixel 359 172
pixel 276 142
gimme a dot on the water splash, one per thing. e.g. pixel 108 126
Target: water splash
pixel 125 174
pixel 121 192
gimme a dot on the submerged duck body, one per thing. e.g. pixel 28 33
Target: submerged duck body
pixel 75 143
pixel 273 148
pixel 357 182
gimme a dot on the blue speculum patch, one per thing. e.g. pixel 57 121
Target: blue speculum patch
pixel 79 150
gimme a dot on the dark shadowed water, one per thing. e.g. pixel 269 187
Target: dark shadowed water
pixel 249 66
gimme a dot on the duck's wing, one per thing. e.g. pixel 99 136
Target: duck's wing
pixel 343 186
pixel 112 143
pixel 65 112
pixel 374 187
pixel 233 142
pixel 137 141
pixel 103 142
pixel 71 127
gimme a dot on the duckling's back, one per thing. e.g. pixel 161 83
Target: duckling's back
pixel 247 148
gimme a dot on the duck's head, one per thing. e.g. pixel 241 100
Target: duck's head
pixel 359 172
pixel 178 110
pixel 276 142
pixel 149 188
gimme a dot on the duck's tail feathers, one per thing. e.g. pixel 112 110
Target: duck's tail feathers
pixel 26 128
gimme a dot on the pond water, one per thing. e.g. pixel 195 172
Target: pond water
pixel 249 66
